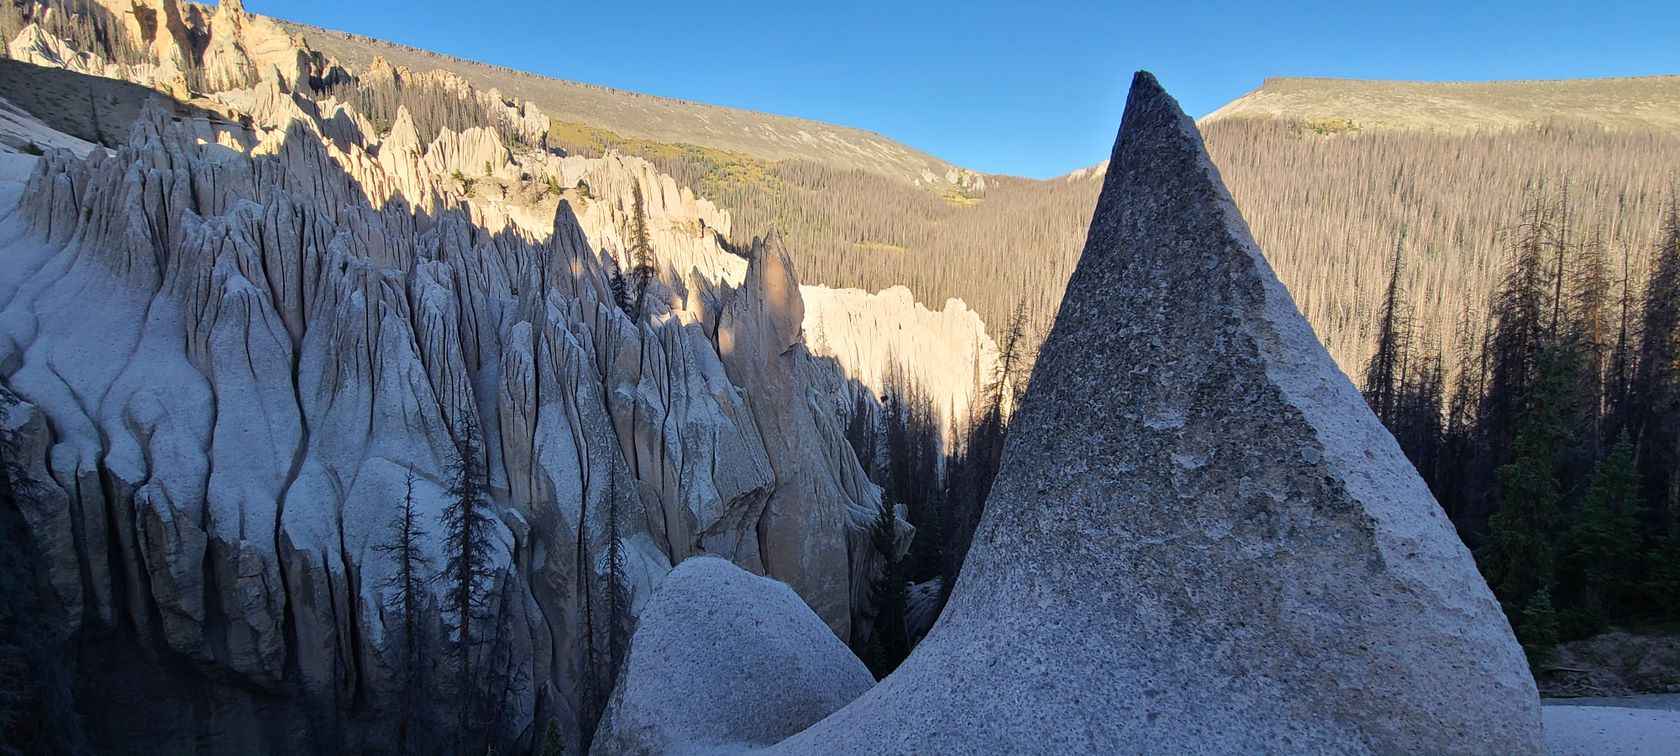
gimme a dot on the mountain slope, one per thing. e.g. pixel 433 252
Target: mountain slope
pixel 1346 104
pixel 659 119
pixel 1335 175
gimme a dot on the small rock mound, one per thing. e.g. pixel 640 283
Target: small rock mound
pixel 723 659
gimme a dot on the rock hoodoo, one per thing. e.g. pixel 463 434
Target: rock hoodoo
pixel 1200 539
pixel 232 345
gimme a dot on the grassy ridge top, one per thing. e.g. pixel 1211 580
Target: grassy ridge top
pixel 1616 103
pixel 658 119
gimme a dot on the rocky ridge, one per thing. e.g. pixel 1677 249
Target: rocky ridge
pixel 1333 105
pixel 661 119
pixel 186 46
pixel 296 315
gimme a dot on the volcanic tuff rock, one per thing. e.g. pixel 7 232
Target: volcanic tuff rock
pixel 223 48
pixel 877 338
pixel 1200 540
pixel 724 658
pixel 233 345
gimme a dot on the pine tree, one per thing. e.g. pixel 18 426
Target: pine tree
pixel 1656 416
pixel 641 249
pixel 620 289
pixel 861 434
pixel 406 591
pixel 1521 559
pixel 1383 375
pixel 467 530
pixel 1539 626
pixel 889 643
pixel 1604 541
pixel 1008 384
pixel 1618 374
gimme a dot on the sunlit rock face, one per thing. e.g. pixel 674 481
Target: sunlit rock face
pixel 887 341
pixel 1201 540
pixel 234 346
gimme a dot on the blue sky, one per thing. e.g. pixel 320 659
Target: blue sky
pixel 1010 87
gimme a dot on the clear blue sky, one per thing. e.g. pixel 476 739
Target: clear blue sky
pixel 1009 87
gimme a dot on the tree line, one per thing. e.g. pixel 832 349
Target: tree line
pixel 939 487
pixel 1328 209
pixel 1010 249
pixel 1550 431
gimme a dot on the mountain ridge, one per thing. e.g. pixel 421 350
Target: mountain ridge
pixel 568 101
pixel 1615 102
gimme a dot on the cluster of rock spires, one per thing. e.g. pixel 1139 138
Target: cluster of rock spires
pixel 223 48
pixel 1200 540
pixel 234 344
pixel 886 337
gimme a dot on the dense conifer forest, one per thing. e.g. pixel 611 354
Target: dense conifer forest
pixel 1551 434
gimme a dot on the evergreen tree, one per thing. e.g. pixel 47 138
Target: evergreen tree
pixel 861 433
pixel 1521 549
pixel 1383 374
pixel 1539 626
pixel 467 529
pixel 641 250
pixel 1604 541
pixel 404 598
pixel 1009 383
pixel 1656 412
pixel 620 289
pixel 889 643
pixel 504 674
pixel 1619 372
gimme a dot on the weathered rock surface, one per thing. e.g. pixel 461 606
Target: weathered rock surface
pixel 189 47
pixel 234 344
pixel 1201 540
pixel 886 337
pixel 760 340
pixel 724 659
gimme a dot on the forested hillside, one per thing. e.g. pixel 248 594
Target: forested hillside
pixel 1328 202
pixel 1629 102
pixel 1555 448
pixel 1013 246
pixel 1330 207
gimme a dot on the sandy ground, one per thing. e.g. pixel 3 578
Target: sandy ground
pixel 1636 726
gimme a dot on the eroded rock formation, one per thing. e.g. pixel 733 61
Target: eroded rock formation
pixel 886 337
pixel 234 345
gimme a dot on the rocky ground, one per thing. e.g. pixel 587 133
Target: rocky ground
pixel 1612 664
